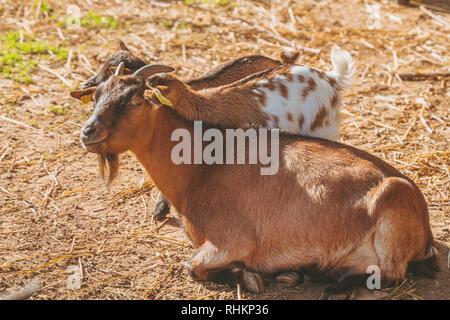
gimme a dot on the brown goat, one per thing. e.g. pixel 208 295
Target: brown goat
pixel 223 74
pixel 330 209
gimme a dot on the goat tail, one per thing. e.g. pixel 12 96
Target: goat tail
pixel 343 66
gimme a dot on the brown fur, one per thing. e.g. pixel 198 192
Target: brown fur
pixel 301 120
pixel 311 86
pixel 319 119
pixel 335 101
pixel 284 90
pixel 330 207
pixel 333 82
pixel 132 63
pixel 320 73
pixel 300 78
pixel 290 117
pixel 223 106
pixel 271 85
pixel 289 57
pixel 232 71
pixel 220 106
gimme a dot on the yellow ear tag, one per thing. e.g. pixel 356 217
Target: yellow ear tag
pixel 163 99
pixel 86 98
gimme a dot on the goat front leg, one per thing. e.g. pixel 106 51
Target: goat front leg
pixel 162 208
pixel 213 264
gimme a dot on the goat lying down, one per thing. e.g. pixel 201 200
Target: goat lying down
pixel 331 209
pixel 223 74
pixel 297 98
pixel 275 94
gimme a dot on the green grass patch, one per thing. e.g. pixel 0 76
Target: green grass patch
pixel 167 23
pixel 19 59
pixel 55 110
pixel 45 6
pixel 93 20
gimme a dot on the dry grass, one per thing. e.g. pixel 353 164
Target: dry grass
pixel 56 216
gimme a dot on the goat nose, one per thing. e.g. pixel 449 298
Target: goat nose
pixel 89 130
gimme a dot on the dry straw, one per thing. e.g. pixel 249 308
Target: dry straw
pixel 396 109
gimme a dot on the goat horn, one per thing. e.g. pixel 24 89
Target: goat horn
pixel 119 69
pixel 151 69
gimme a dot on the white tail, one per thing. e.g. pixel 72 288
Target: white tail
pixel 343 66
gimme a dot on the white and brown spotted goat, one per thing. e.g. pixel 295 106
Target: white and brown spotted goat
pixel 297 98
pixel 331 209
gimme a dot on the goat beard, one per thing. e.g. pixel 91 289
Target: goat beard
pixel 113 166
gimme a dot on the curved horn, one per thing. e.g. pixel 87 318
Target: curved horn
pixel 151 69
pixel 119 69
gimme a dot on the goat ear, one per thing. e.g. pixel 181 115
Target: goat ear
pixel 122 46
pixel 84 95
pixel 151 69
pixel 125 70
pixel 161 97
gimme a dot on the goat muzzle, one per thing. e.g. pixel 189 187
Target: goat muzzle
pixel 93 134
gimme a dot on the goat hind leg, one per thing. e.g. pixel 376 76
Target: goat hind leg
pixel 211 263
pixel 236 273
pixel 402 235
pixel 162 208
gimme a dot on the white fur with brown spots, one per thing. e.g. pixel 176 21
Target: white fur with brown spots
pixel 297 98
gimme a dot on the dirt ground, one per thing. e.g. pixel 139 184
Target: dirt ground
pixel 60 224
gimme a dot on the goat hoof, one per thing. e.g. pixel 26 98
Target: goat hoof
pixel 162 208
pixel 288 279
pixel 253 282
pixel 191 272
